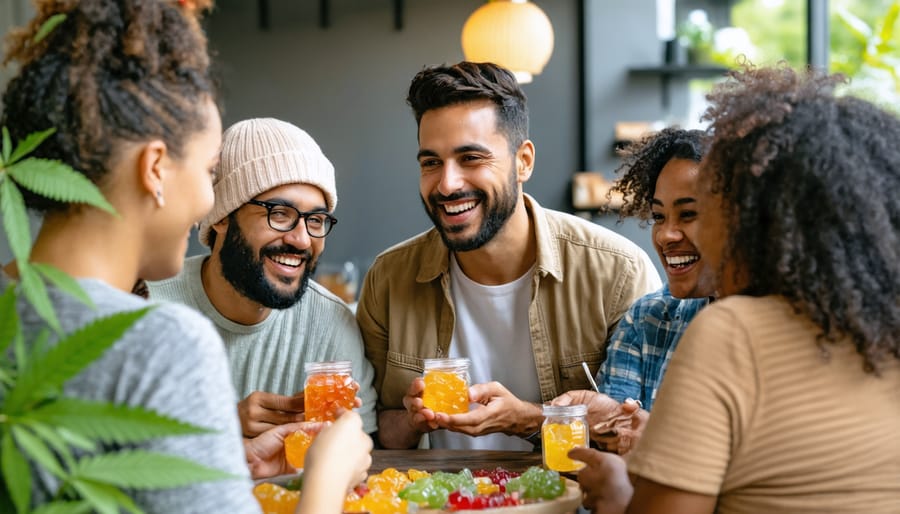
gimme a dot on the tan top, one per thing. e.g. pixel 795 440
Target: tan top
pixel 750 411
pixel 584 280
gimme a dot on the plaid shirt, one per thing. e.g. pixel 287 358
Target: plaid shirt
pixel 642 344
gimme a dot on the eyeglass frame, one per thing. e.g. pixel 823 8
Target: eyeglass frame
pixel 300 215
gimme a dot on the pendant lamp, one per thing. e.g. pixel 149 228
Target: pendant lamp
pixel 515 34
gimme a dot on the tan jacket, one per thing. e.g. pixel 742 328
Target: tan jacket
pixel 585 279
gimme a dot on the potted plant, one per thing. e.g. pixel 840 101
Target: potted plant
pixel 696 36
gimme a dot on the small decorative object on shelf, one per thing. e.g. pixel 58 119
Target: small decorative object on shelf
pixel 696 35
pixel 590 192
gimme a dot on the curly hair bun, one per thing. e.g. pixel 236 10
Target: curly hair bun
pixel 110 71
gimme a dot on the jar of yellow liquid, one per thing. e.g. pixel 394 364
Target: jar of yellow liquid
pixel 446 385
pixel 564 428
pixel 329 386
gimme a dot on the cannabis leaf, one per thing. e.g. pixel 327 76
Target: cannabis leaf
pixel 24 148
pixel 72 354
pixel 15 219
pixel 108 423
pixel 57 181
pixel 63 282
pixel 48 26
pixel 139 469
pixel 9 319
pixel 15 472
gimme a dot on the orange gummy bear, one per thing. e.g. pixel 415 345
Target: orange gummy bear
pixel 275 499
pixel 295 446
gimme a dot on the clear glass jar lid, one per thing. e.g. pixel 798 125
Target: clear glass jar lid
pixel 448 364
pixel 328 367
pixel 561 411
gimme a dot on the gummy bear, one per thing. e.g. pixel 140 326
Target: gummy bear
pixel 295 446
pixel 275 499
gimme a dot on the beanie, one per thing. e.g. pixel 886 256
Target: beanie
pixel 261 154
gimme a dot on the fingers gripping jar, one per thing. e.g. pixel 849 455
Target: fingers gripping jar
pixel 564 428
pixel 446 385
pixel 329 386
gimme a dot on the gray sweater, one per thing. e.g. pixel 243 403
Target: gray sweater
pixel 269 355
pixel 170 361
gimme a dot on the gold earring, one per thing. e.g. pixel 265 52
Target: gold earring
pixel 160 202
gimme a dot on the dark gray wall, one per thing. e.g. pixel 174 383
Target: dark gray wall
pixel 346 86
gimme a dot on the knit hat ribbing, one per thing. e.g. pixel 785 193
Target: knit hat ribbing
pixel 261 154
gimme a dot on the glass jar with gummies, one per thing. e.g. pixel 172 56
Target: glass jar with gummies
pixel 564 428
pixel 329 386
pixel 446 385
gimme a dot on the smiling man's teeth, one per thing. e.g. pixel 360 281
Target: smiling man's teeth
pixel 682 260
pixel 286 260
pixel 458 208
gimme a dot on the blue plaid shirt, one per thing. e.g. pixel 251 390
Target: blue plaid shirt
pixel 640 348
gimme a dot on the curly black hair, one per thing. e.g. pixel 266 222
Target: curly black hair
pixel 809 182
pixel 112 71
pixel 643 161
pixel 440 86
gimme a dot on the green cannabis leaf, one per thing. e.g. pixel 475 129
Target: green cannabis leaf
pixel 138 469
pixel 63 282
pixel 101 421
pixel 15 219
pixel 5 147
pixel 48 27
pixel 15 472
pixel 57 181
pixel 64 507
pixel 24 148
pixel 105 498
pixel 9 319
pixel 65 360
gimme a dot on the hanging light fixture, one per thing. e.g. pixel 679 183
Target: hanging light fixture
pixel 515 34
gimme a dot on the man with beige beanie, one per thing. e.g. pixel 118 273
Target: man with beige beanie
pixel 275 195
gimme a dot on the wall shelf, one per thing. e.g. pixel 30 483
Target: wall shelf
pixel 684 71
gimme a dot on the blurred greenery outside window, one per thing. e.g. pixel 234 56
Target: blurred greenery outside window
pixel 864 41
pixel 864 45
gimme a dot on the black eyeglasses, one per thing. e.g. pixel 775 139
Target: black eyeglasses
pixel 285 218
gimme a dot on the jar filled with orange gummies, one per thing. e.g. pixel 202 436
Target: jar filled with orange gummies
pixel 329 386
pixel 564 428
pixel 446 385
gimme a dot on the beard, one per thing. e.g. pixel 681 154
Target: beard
pixel 496 215
pixel 244 270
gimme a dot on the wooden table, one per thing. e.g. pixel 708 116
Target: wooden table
pixel 452 460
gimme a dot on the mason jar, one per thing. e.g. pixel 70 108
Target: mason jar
pixel 446 385
pixel 564 428
pixel 328 387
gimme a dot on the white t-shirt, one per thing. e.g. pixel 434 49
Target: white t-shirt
pixel 492 331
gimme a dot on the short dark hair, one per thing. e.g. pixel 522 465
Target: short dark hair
pixel 643 161
pixel 441 86
pixel 110 72
pixel 809 182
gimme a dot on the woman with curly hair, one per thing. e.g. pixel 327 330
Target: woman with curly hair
pixel 660 186
pixel 126 85
pixel 782 397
